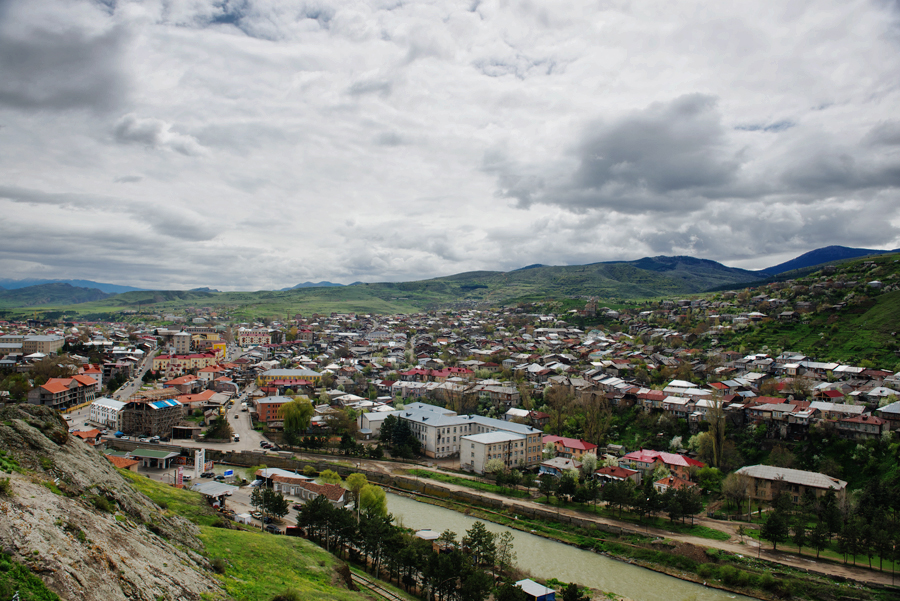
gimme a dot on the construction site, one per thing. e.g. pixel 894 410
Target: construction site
pixel 151 418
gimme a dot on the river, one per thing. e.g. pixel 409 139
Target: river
pixel 545 558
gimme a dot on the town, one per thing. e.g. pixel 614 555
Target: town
pixel 642 409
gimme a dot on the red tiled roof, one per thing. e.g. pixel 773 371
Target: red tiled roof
pixel 569 443
pixel 122 462
pixel 85 434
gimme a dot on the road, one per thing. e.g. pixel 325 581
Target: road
pixel 240 424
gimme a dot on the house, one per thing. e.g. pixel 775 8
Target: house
pixel 476 450
pixel 569 447
pixel 616 474
pixel 124 463
pixel 768 481
pixel 861 426
pixel 673 482
pixel 310 490
pixel 558 465
pixel 647 461
pixel 536 592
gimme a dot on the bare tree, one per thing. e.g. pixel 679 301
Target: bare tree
pixel 559 400
pixel 597 417
pixel 736 488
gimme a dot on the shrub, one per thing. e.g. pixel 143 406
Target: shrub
pixel 309 471
pixel 46 463
pixel 218 565
pixel 288 595
pixel 5 487
pixel 767 581
pixel 102 503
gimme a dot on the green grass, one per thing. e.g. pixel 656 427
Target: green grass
pixel 469 483
pixel 260 566
pixel 188 504
pixel 15 577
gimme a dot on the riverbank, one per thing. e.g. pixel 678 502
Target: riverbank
pixel 733 573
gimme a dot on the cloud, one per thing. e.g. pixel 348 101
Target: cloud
pixel 45 67
pixel 155 133
pixel 391 140
pixel 128 179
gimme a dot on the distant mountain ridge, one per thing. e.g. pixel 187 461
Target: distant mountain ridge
pixel 322 284
pixel 10 284
pixel 826 254
pixel 56 293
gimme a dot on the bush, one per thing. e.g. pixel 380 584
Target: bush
pixel 218 565
pixel 5 487
pixel 288 595
pixel 309 471
pixel 767 581
pixel 102 503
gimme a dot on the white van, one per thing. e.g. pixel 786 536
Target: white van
pixel 237 438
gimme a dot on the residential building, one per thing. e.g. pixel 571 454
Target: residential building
pixel 291 374
pixel 42 344
pixel 107 412
pixel 768 481
pixel 63 393
pixel 569 447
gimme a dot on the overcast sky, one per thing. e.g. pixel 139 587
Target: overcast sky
pixel 256 144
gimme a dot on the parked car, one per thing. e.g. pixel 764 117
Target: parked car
pixel 267 520
pixel 220 478
pixel 273 529
pixel 256 483
pixel 263 443
pixel 255 514
pixel 237 416
pixel 208 475
pixel 296 506
pixel 186 477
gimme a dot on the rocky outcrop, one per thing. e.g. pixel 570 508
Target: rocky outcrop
pixel 76 522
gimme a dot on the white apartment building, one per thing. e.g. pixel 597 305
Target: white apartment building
pixel 441 432
pixel 107 413
pixel 478 449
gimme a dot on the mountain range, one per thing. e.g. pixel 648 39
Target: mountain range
pixel 648 277
pixel 9 284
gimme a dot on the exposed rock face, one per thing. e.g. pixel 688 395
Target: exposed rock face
pixel 94 537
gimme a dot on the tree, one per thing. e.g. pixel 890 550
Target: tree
pixel 799 534
pixel 776 528
pixel 508 591
pixel 356 482
pixel 547 485
pixel 386 435
pixel 494 466
pixel 598 417
pixel 559 401
pixel 818 536
pixel 506 553
pixel 330 477
pixel 568 483
pixel 480 544
pixel 372 500
pixel 528 480
pixel 297 415
pixel 588 464
pixel 573 593
pixel 736 488
pixel 269 502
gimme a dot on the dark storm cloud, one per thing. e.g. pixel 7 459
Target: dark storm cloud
pixel 58 70
pixel 886 133
pixel 665 148
pixel 669 157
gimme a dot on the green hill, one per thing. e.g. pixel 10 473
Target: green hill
pixel 49 294
pixel 645 278
pixel 852 321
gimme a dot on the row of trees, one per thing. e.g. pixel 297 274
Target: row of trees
pixel 464 570
pixel 870 526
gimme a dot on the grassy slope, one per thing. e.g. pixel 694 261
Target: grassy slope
pixel 860 333
pixel 48 294
pixel 259 565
